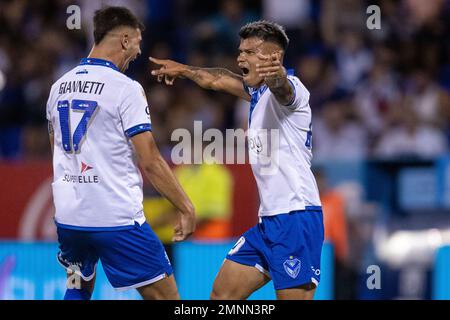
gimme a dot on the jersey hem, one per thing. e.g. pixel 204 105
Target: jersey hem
pixel 284 211
pixel 85 228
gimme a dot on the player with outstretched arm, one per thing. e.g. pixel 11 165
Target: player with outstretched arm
pixel 286 244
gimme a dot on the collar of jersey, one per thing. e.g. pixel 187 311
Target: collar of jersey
pixel 98 62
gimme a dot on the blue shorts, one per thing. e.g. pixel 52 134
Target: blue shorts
pixel 286 247
pixel 131 257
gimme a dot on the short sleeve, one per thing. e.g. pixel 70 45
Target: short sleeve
pixel 134 110
pixel 301 94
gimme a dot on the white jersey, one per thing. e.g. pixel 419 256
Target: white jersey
pixel 95 110
pixel 280 151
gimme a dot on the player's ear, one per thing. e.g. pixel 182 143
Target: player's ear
pixel 125 41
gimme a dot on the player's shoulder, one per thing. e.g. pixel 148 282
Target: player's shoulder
pixel 123 78
pixel 301 92
pixel 132 88
pixel 67 76
pixel 297 82
pixel 123 85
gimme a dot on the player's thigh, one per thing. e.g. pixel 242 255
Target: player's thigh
pixel 294 259
pixel 237 281
pixel 164 289
pixel 132 258
pixel 304 292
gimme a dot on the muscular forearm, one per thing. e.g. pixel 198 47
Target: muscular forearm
pixel 51 135
pixel 210 78
pixel 218 79
pixel 162 178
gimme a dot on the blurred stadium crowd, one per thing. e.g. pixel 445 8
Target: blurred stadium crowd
pixel 374 93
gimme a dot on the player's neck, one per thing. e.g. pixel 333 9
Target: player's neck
pixel 98 52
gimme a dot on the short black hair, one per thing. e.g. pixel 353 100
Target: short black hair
pixel 108 18
pixel 267 31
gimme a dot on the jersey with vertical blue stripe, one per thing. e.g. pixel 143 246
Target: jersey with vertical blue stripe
pixel 280 150
pixel 95 110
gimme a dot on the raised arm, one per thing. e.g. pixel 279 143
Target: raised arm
pixel 164 181
pixel 218 79
pixel 275 77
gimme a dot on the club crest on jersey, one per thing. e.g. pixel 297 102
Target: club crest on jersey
pixel 85 167
pixel 292 267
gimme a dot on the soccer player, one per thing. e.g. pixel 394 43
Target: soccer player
pixel 286 244
pixel 100 130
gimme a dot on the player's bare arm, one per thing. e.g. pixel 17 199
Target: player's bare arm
pixel 275 77
pixel 218 79
pixel 162 178
pixel 51 135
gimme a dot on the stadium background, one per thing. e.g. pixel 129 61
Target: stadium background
pixel 381 137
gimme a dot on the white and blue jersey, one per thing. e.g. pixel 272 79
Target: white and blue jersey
pixel 286 244
pixel 280 150
pixel 95 110
pixel 97 186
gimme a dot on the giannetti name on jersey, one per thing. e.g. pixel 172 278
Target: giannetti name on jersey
pixel 81 86
pixel 80 179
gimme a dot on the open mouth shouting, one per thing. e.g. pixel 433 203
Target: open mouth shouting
pixel 245 71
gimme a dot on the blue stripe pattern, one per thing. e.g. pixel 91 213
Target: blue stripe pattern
pixel 138 129
pixel 256 95
pixel 98 62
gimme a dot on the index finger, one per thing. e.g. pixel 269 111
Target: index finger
pixel 157 61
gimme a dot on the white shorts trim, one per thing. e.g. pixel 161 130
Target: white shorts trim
pixel 144 283
pixel 313 280
pixel 78 272
pixel 262 270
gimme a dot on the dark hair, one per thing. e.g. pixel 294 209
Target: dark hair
pixel 108 18
pixel 267 31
